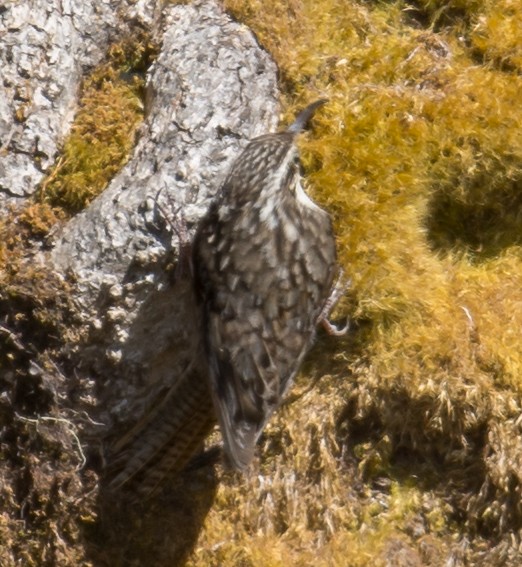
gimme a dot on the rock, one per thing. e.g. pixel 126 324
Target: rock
pixel 46 46
pixel 211 89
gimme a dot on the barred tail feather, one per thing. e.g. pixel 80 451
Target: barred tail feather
pixel 165 439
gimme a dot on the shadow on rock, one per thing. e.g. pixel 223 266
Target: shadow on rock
pixel 157 531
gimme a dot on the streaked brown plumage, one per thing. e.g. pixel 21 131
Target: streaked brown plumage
pixel 264 260
pixel 164 441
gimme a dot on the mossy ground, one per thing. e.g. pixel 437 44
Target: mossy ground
pixel 46 496
pixel 406 450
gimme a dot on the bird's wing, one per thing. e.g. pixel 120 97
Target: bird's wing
pixel 252 361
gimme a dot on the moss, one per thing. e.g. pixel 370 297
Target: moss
pixel 41 493
pixel 401 439
pixel 497 34
pixel 418 157
pixel 21 227
pixel 103 133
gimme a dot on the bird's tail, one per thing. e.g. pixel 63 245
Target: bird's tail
pixel 164 441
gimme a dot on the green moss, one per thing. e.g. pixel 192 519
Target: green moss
pixel 103 133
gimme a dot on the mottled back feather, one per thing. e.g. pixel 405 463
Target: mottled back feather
pixel 264 260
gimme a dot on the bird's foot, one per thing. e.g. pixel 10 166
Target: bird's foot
pixel 339 288
pixel 333 330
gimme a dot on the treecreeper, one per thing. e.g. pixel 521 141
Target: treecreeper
pixel 264 275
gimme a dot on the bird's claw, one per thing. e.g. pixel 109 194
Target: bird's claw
pixel 333 330
pixel 338 289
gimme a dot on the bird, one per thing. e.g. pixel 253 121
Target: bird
pixel 259 278
pixel 264 261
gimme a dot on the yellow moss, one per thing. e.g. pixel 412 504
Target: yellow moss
pixel 497 33
pixel 491 292
pixel 418 156
pixel 103 133
pixel 20 227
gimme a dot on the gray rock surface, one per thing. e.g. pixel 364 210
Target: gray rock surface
pixel 211 89
pixel 45 47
